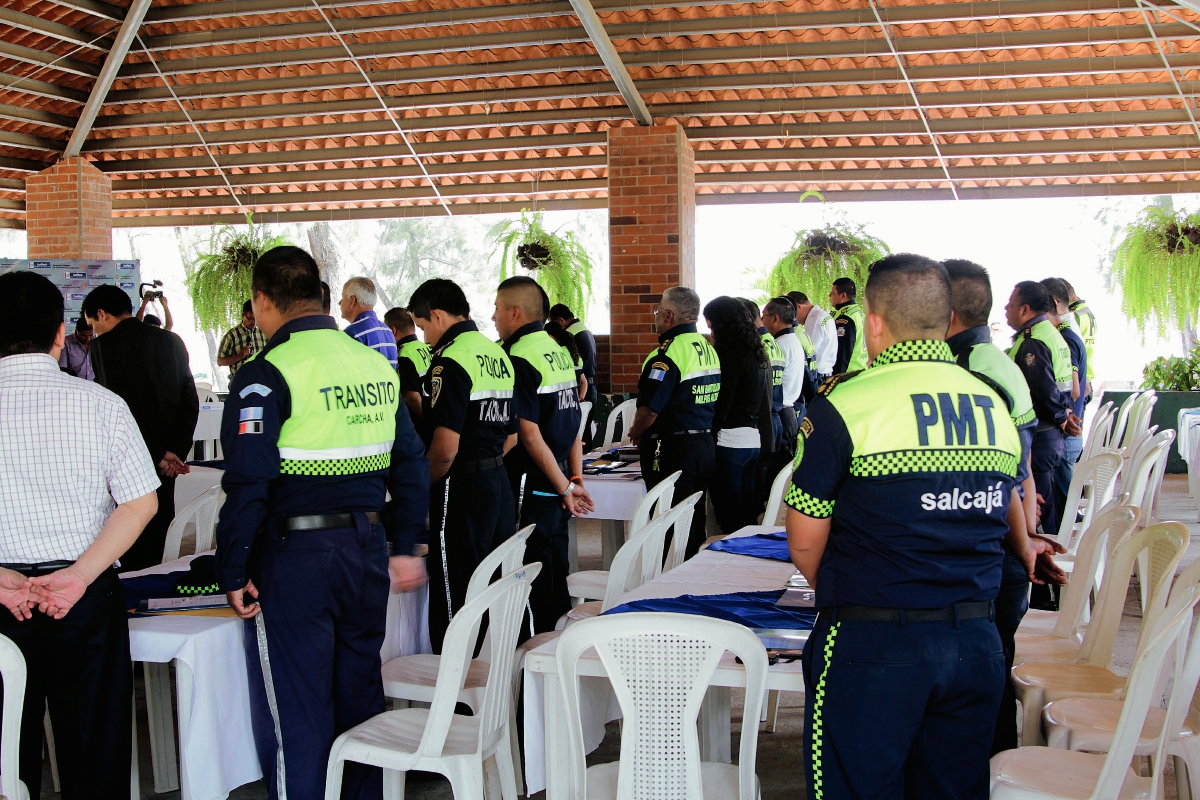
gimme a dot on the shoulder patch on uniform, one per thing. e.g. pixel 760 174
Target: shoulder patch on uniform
pixel 437 370
pixel 254 388
pixel 841 329
pixel 833 381
pixel 658 371
pixel 806 427
pixel 435 386
pixel 1029 359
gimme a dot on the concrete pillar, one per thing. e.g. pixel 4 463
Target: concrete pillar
pixel 68 212
pixel 652 236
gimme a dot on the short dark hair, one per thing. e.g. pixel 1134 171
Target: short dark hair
pixel 439 293
pixel 1070 288
pixel 970 290
pixel 912 294
pixel 398 318
pixel 326 298
pixel 247 307
pixel 1034 295
pixel 751 307
pixel 152 320
pixel 561 311
pixel 82 324
pixel 534 294
pixel 108 298
pixel 782 307
pixel 799 298
pixel 1057 288
pixel 848 287
pixel 31 312
pixel 289 278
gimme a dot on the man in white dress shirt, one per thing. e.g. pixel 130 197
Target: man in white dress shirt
pixel 76 488
pixel 819 326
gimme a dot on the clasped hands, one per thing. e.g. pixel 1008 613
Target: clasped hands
pixel 172 466
pixel 53 594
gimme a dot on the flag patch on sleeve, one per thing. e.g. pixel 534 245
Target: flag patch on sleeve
pixel 658 371
pixel 251 426
pixel 249 413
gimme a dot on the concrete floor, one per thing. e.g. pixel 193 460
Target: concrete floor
pixel 780 765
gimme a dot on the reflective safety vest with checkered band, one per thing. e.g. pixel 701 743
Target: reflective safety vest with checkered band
pixel 699 372
pixel 551 360
pixel 485 362
pixel 343 405
pixel 1085 322
pixel 778 363
pixel 1060 354
pixel 858 359
pixel 989 360
pixel 419 354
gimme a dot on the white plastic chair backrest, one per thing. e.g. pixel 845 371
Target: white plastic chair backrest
pixel 1140 692
pixel 1098 432
pixel 1132 429
pixel 206 535
pixel 623 412
pixel 678 524
pixel 775 509
pixel 656 502
pixel 639 560
pixel 1099 474
pixel 1150 499
pixel 660 666
pixel 1138 481
pixel 1113 542
pixel 504 602
pixel 1122 421
pixel 206 395
pixel 1145 411
pixel 1187 657
pixel 1133 454
pixel 507 557
pixel 1113 525
pixel 585 408
pixel 202 511
pixel 12 673
pixel 1165 544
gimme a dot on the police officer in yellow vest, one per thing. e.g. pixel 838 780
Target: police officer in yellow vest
pixel 546 467
pixel 315 434
pixel 849 319
pixel 472 425
pixel 896 515
pixel 1044 358
pixel 677 394
pixel 1084 321
pixel 414 357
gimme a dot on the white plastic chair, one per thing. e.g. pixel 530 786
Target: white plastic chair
pixel 1096 435
pixel 436 739
pixel 660 666
pixel 202 512
pixel 585 408
pixel 1107 532
pixel 12 673
pixel 1044 773
pixel 588 584
pixel 623 412
pixel 639 560
pixel 1149 504
pixel 1139 418
pixel 1091 488
pixel 678 525
pixel 414 677
pixel 776 512
pixel 1121 423
pixel 1090 674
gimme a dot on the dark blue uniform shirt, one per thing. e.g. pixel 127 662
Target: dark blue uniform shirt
pixel 258 497
pixel 1049 403
pixel 1079 362
pixel 661 388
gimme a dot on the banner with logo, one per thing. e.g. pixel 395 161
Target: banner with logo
pixel 76 277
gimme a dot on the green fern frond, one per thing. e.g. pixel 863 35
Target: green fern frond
pixel 220 282
pixel 820 256
pixel 1157 265
pixel 557 261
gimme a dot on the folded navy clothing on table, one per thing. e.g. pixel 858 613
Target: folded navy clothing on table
pixel 763 545
pixel 752 609
pixel 200 578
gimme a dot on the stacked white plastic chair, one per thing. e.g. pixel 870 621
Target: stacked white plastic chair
pixel 639 560
pixel 623 413
pixel 585 409
pixel 1096 437
pixel 660 666
pixel 202 514
pixel 1091 488
pixel 464 749
pixel 776 511
pixel 12 674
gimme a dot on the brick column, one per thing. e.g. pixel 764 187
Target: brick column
pixel 68 212
pixel 652 236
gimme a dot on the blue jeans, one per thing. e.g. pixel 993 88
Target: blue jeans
pixel 1072 447
pixel 732 488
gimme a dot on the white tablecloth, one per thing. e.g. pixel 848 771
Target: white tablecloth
pixel 1188 419
pixel 616 496
pixel 195 483
pixel 708 572
pixel 208 424
pixel 217 747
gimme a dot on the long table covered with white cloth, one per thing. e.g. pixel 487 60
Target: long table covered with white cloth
pixel 215 739
pixel 706 573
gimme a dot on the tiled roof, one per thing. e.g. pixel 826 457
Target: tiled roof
pixel 504 104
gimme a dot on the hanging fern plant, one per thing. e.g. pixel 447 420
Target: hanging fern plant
pixel 820 256
pixel 220 283
pixel 1157 265
pixel 557 261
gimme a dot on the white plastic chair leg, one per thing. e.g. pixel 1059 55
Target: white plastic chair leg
pixel 1183 779
pixel 50 749
pixel 771 710
pixel 393 784
pixel 466 780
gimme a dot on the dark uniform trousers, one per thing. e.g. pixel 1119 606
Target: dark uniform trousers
pixel 1044 457
pixel 695 455
pixel 913 707
pixel 80 666
pixel 548 545
pixel 1011 605
pixel 479 515
pixel 323 595
pixel 147 550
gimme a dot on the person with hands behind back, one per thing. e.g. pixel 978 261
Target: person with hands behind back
pixel 59 540
pixel 315 435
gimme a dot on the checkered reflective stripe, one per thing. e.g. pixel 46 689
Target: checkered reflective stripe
pixel 898 462
pixel 915 350
pixel 336 466
pixel 806 504
pixel 818 722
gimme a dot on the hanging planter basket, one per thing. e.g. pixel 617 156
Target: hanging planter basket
pixel 820 256
pixel 1157 266
pixel 221 281
pixel 555 259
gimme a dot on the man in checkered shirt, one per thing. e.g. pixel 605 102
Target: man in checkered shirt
pixel 77 487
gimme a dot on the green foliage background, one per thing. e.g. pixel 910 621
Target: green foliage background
pixel 1174 374
pixel 819 256
pixel 565 274
pixel 1157 265
pixel 220 282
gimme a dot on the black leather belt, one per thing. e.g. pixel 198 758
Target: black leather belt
pixel 33 570
pixel 679 433
pixel 956 612
pixel 316 522
pixel 476 466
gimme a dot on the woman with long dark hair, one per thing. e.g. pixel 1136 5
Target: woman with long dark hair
pixel 745 373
